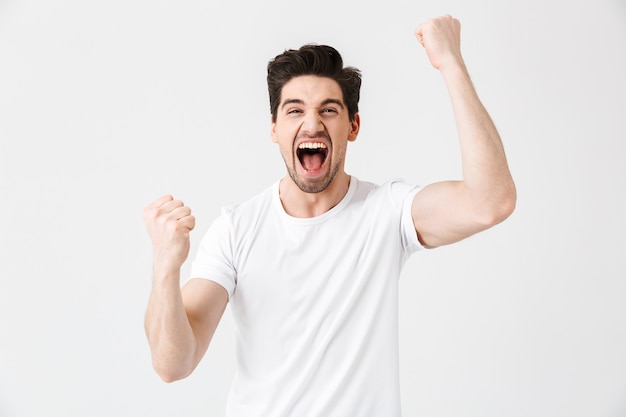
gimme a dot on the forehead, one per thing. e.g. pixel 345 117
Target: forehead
pixel 311 89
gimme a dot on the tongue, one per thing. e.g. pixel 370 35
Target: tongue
pixel 312 162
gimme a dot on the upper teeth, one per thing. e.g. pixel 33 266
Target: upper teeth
pixel 311 145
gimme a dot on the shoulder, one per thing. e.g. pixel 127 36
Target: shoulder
pixel 394 191
pixel 252 208
pixel 237 218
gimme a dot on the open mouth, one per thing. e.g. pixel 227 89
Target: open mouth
pixel 312 155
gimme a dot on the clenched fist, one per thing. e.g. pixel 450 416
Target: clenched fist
pixel 441 37
pixel 169 222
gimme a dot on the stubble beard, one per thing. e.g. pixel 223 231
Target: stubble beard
pixel 313 186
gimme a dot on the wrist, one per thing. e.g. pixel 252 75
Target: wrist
pixel 455 74
pixel 452 64
pixel 165 272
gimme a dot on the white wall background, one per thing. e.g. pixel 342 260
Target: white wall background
pixel 105 106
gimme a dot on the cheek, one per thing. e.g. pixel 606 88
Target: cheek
pixel 286 132
pixel 340 137
pixel 285 147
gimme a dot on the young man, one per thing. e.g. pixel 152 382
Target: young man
pixel 310 266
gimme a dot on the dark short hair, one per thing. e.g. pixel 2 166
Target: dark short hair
pixel 320 60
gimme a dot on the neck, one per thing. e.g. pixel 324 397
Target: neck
pixel 297 203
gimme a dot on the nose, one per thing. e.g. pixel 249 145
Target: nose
pixel 312 123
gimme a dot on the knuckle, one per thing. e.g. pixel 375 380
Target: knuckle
pixel 149 213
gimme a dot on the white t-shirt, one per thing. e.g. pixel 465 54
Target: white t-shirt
pixel 315 301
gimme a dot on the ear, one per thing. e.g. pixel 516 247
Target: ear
pixel 273 129
pixel 355 125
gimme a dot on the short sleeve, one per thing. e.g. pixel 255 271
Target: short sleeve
pixel 409 235
pixel 403 194
pixel 214 259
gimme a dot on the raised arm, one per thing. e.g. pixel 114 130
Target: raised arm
pixel 179 323
pixel 450 211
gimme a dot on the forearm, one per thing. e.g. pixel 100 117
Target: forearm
pixel 487 182
pixel 450 211
pixel 170 335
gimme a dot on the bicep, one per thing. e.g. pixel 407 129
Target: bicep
pixel 205 302
pixel 443 214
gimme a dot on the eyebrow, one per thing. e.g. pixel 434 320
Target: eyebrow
pixel 325 102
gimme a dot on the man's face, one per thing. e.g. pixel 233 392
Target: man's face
pixel 312 129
